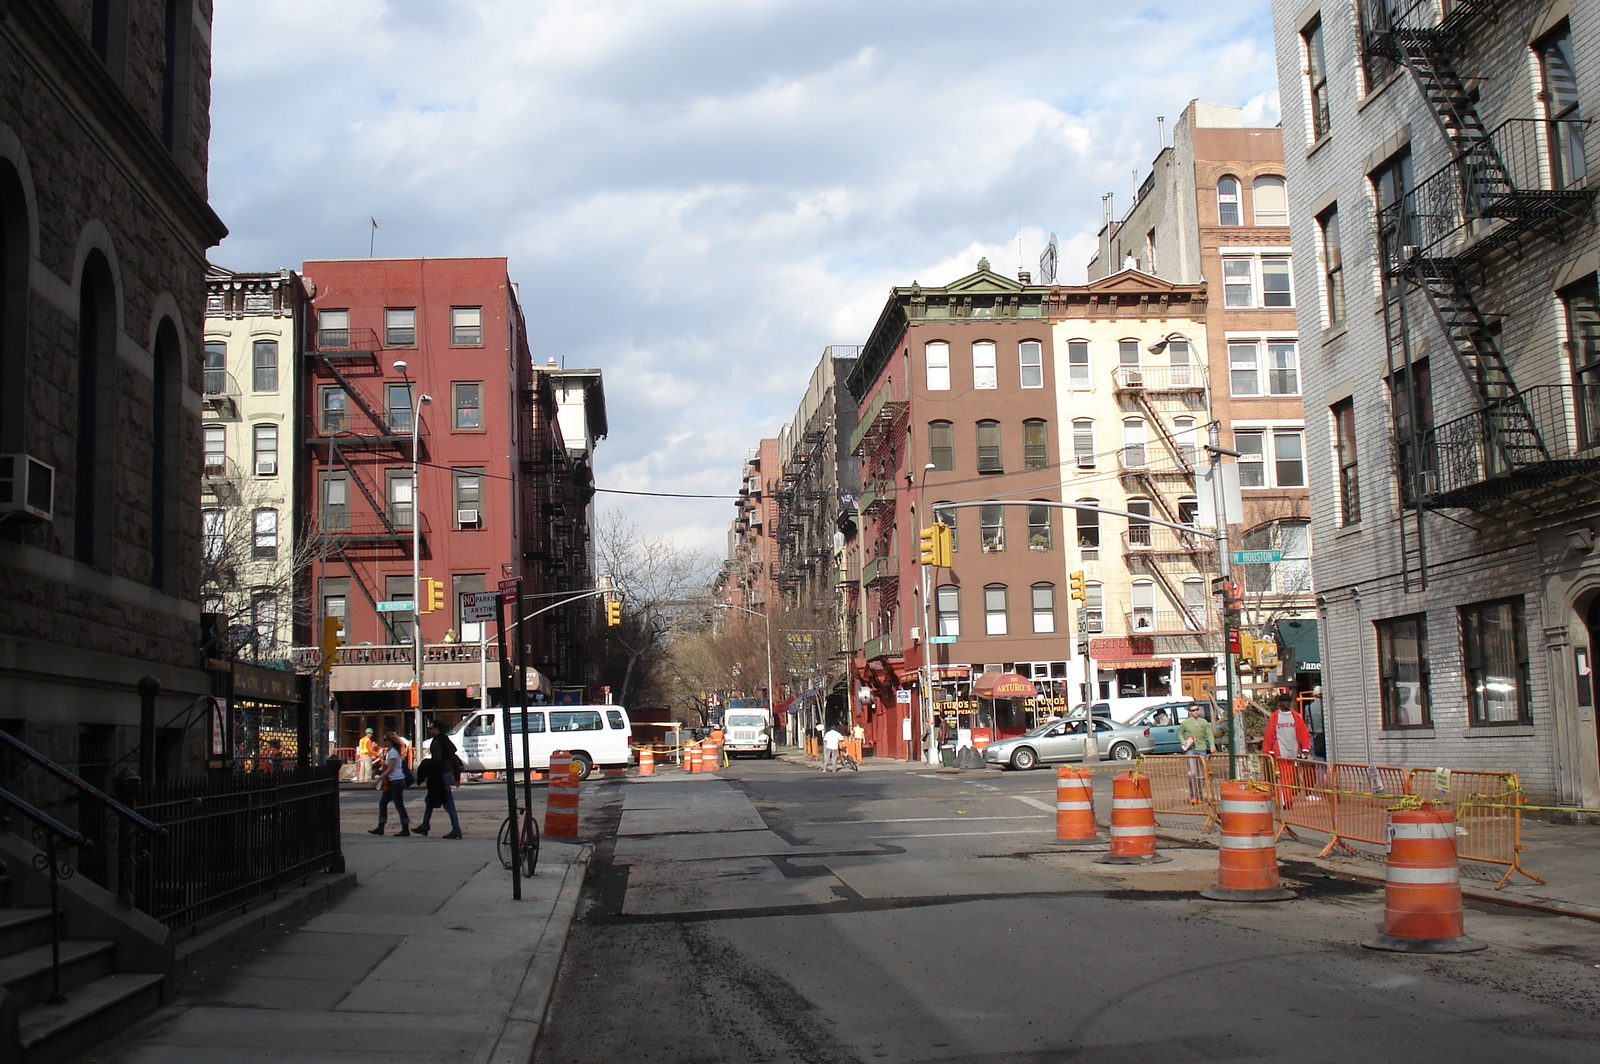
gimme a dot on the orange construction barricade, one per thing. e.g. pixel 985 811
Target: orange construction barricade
pixel 561 797
pixel 1133 822
pixel 1247 860
pixel 710 756
pixel 1074 805
pixel 1422 886
pixel 691 758
pixel 647 761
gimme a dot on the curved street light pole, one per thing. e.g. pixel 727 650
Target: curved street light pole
pixel 772 700
pixel 416 561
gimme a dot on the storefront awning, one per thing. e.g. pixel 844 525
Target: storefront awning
pixel 442 676
pixel 1004 685
pixel 1301 639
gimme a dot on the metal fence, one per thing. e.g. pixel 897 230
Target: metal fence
pixel 231 838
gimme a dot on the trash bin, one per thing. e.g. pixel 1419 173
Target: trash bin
pixel 947 756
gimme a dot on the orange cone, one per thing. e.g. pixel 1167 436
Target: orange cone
pixel 647 761
pixel 561 797
pixel 1133 822
pixel 1074 805
pixel 1422 886
pixel 1247 859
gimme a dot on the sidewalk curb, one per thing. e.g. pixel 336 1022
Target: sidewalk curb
pixel 225 934
pixel 525 1020
pixel 1552 908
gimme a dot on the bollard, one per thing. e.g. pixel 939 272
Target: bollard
pixel 1075 805
pixel 1247 857
pixel 1133 822
pixel 647 761
pixel 1422 910
pixel 561 798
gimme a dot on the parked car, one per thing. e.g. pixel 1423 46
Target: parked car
pixel 1062 740
pixel 596 735
pixel 1162 721
pixel 1123 710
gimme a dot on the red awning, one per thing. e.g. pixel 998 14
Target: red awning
pixel 1004 685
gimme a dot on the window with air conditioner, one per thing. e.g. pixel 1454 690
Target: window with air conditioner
pixel 266 450
pixel 468 518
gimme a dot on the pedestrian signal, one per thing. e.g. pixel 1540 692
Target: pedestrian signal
pixel 1079 593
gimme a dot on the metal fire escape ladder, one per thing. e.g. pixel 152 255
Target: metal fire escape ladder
pixel 1409 453
pixel 1197 556
pixel 355 393
pixel 336 454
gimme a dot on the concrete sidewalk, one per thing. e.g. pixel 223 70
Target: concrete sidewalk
pixel 426 959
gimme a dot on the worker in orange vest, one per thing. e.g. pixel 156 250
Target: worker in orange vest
pixel 366 754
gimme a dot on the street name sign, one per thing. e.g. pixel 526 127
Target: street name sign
pixel 1256 557
pixel 941 639
pixel 394 606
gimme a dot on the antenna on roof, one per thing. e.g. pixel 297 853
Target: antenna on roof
pixel 372 242
pixel 1161 132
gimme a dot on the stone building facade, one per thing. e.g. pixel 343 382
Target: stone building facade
pixel 1443 193
pixel 104 118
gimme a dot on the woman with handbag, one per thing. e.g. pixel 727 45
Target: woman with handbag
pixel 393 779
pixel 440 770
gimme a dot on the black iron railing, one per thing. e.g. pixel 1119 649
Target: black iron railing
pixel 230 838
pixel 1467 456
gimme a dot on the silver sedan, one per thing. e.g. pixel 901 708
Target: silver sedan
pixel 1063 740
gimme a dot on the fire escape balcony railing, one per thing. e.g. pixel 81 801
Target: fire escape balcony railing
pixel 1170 622
pixel 1469 461
pixel 881 646
pixel 1156 380
pixel 346 345
pixel 880 571
pixel 364 525
pixel 1161 540
pixel 876 496
pixel 1156 460
pixel 219 391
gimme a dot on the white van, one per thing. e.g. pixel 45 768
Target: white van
pixel 596 736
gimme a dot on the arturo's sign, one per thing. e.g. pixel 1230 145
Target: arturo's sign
pixel 1133 646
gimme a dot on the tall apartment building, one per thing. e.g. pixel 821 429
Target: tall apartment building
pixel 104 119
pixel 1444 220
pixel 749 576
pixel 486 494
pixel 1214 210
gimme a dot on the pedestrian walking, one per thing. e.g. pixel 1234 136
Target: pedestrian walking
pixel 830 749
pixel 392 780
pixel 1199 739
pixel 439 771
pixel 366 755
pixel 1315 723
pixel 1286 740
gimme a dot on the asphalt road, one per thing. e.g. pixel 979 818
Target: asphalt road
pixel 775 913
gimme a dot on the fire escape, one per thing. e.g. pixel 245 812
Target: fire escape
pixel 354 442
pixel 802 516
pixel 1162 470
pixel 1498 188
pixel 876 439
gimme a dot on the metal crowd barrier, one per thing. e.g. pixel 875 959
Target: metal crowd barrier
pixel 1488 809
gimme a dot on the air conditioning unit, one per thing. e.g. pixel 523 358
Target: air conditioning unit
pixel 1094 621
pixel 1428 481
pixel 1133 378
pixel 916 635
pixel 268 468
pixel 467 518
pixel 27 487
pixel 1086 461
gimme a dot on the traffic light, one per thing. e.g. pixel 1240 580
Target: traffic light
pixel 1079 593
pixel 613 612
pixel 332 640
pixel 1264 654
pixel 934 545
pixel 432 595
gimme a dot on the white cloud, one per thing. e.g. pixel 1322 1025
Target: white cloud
pixel 698 196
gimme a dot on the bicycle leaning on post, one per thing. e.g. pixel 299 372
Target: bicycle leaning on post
pixel 526 848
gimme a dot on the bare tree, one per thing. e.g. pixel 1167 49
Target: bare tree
pixel 665 592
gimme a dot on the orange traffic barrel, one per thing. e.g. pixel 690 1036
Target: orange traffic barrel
pixel 561 797
pixel 691 757
pixel 710 756
pixel 488 777
pixel 1422 886
pixel 647 761
pixel 1247 857
pixel 1074 805
pixel 1133 822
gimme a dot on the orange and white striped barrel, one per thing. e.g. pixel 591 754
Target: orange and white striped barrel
pixel 691 757
pixel 647 761
pixel 1422 910
pixel 1133 822
pixel 561 797
pixel 710 756
pixel 1247 856
pixel 488 777
pixel 1074 804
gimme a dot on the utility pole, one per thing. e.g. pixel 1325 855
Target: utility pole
pixel 1230 600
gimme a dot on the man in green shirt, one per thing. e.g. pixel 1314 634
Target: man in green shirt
pixel 1198 740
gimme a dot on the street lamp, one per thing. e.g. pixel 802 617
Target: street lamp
pixel 772 704
pixel 1224 557
pixel 416 560
pixel 925 695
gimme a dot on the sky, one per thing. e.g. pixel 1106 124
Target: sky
pixel 698 196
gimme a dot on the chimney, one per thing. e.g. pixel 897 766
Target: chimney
pixel 1024 276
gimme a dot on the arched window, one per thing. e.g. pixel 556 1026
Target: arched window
pixel 1041 528
pixel 167 421
pixel 983 368
pixel 13 310
pixel 1142 597
pixel 994 610
pixel 989 447
pixel 95 465
pixel 1134 438
pixel 1035 443
pixel 937 354
pixel 942 446
pixel 1271 201
pixel 265 356
pixel 1089 531
pixel 1228 201
pixel 948 600
pixel 992 528
pixel 1044 608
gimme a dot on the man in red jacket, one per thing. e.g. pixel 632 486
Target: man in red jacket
pixel 1287 740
